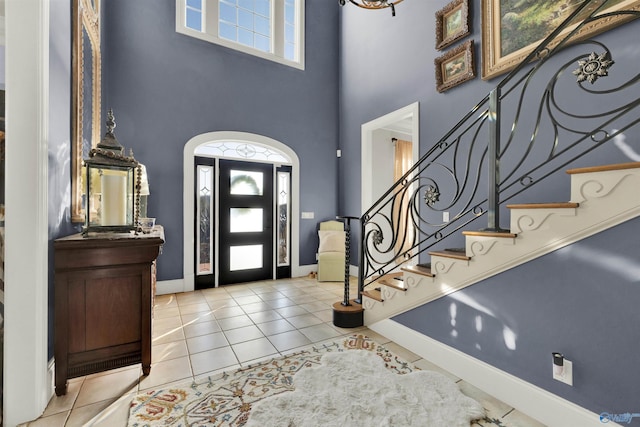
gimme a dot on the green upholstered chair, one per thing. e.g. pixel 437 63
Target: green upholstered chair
pixel 331 251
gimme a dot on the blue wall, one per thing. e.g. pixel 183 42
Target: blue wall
pixel 562 302
pixel 166 88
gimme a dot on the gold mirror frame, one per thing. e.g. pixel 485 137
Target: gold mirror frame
pixel 86 65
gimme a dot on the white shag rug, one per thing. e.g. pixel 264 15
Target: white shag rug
pixel 353 389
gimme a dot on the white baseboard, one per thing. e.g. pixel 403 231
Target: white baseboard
pixel 303 270
pixel 164 287
pixel 527 398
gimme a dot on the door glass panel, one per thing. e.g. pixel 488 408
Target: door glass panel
pixel 283 218
pixel 245 257
pixel 245 220
pixel 205 203
pixel 246 183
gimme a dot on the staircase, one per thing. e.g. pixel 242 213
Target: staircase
pixel 570 96
pixel 601 197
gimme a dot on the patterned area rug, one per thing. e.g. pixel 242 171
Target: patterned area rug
pixel 227 398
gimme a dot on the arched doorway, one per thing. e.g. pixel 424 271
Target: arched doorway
pixel 235 145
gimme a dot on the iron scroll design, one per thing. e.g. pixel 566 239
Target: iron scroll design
pixel 514 138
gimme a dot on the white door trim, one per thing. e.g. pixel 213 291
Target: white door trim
pixel 27 386
pixel 189 191
pixel 412 111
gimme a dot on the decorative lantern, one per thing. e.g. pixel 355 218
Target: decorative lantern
pixel 112 187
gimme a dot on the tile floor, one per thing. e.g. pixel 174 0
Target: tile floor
pixel 198 333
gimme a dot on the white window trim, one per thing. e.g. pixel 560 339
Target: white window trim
pixel 210 31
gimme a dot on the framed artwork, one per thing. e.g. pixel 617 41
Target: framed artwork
pixel 511 29
pixel 455 67
pixel 452 23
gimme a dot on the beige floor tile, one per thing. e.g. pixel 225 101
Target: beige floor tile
pixel 246 333
pixel 291 311
pixel 167 371
pixel 248 299
pixel 292 292
pixel 165 324
pixel 168 336
pixel 56 420
pixel 212 292
pixel 303 321
pixel 170 350
pixel 191 318
pixel 105 387
pixel 265 316
pixel 235 322
pixel 217 304
pixel 350 331
pixel 288 340
pixel 255 349
pixel 81 416
pixel 223 313
pixel 270 296
pixel 189 298
pixel 325 315
pixel 256 307
pixel 165 301
pixel 64 403
pixel 303 299
pixel 160 313
pixel 275 327
pixel 280 303
pixel 200 307
pixel 202 328
pixel 213 360
pixel 320 332
pixel 239 291
pixel 315 306
pixel 116 414
pixel 206 342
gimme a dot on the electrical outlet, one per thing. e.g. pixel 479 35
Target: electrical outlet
pixel 566 376
pixel 445 216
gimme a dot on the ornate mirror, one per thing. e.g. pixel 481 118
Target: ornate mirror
pixel 86 94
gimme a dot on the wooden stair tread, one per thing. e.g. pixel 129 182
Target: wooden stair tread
pixel 452 253
pixel 373 294
pixel 605 168
pixel 557 205
pixel 503 234
pixel 393 282
pixel 425 271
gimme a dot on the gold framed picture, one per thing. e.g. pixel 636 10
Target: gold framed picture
pixel 452 23
pixel 455 67
pixel 512 29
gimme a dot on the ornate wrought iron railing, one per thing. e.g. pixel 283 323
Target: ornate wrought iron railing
pixel 515 137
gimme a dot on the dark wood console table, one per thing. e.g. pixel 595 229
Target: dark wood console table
pixel 104 291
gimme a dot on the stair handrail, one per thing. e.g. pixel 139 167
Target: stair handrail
pixel 405 192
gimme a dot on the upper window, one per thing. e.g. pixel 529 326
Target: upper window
pixel 270 29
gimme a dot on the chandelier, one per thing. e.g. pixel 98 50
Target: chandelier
pixel 374 4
